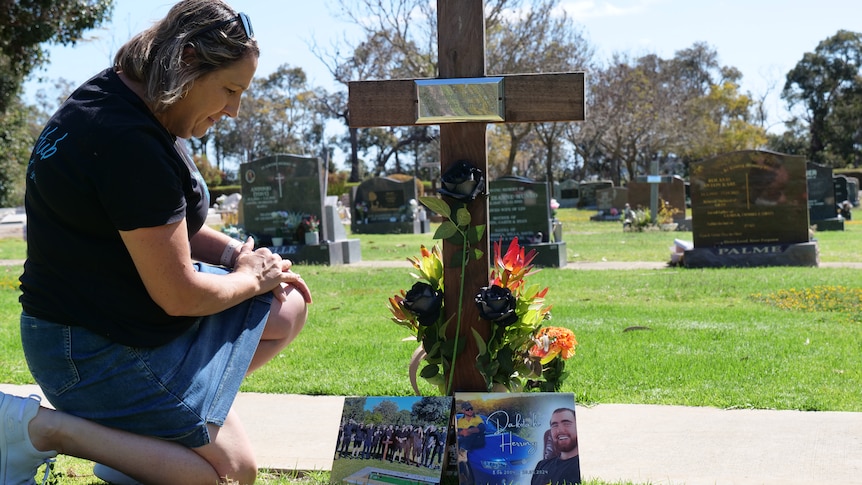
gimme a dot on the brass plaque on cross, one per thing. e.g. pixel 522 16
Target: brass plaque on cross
pixel 459 100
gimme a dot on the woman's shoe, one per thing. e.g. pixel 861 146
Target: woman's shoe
pixel 19 460
pixel 114 477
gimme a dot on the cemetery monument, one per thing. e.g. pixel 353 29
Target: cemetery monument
pixel 282 200
pixel 384 205
pixel 750 208
pixel 822 206
pixel 520 208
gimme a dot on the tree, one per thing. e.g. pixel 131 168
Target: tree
pixel 400 43
pixel 827 84
pixel 354 408
pixel 431 410
pixel 387 410
pixel 16 142
pixel 533 37
pixel 279 114
pixel 647 109
pixel 28 24
pixel 523 36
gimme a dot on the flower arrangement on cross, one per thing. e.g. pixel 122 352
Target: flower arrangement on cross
pixel 521 353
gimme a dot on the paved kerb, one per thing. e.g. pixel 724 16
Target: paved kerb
pixel 618 442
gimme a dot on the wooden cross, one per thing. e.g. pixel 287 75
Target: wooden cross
pixel 526 98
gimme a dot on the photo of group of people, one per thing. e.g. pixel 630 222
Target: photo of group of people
pixel 381 439
pixel 407 444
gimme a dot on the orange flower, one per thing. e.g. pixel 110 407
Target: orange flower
pixel 553 341
pixel 511 269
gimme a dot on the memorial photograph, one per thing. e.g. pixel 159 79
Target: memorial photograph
pixel 516 438
pixel 392 440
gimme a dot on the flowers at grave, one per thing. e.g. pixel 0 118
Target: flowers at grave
pixel 516 310
pixel 293 220
pixel 508 357
pixel 310 223
pixel 236 232
pixel 279 219
pixel 421 310
pixel 552 346
pixel 553 342
pixel 666 212
pixel 554 206
pixel 362 211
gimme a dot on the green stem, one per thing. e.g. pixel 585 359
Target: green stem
pixel 458 320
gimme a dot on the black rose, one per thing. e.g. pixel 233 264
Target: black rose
pixel 462 181
pixel 424 302
pixel 497 304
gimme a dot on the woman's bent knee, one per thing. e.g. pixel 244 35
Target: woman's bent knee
pixel 286 318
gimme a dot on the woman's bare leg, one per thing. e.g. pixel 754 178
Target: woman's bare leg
pixel 285 321
pixel 228 456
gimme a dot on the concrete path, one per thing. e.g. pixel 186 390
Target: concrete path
pixel 660 445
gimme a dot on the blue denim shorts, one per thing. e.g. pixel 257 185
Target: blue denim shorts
pixel 170 392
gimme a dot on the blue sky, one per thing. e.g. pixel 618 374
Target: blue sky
pixel 764 39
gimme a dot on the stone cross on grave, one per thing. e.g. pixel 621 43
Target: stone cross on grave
pixel 459 101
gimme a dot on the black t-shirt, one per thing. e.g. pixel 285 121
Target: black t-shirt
pixel 556 471
pixel 104 164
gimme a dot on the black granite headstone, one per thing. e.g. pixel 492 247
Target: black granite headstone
pixel 519 207
pixel 280 183
pixel 822 208
pixel 291 184
pixel 821 192
pixel 569 193
pixel 842 188
pixel 587 192
pixel 750 208
pixel 383 205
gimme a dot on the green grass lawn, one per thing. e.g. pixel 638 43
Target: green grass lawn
pixel 766 338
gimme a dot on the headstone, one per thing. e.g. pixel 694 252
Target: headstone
pixel 853 190
pixel 750 208
pixel 383 205
pixel 556 192
pixel 610 203
pixel 587 192
pixel 519 207
pixel 671 189
pixel 822 206
pixel 846 188
pixel 294 185
pixel 569 193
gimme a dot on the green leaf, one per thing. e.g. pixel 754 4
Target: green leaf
pixel 475 233
pixel 463 217
pixel 480 343
pixel 437 205
pixel 477 254
pixel 446 230
pixel 429 371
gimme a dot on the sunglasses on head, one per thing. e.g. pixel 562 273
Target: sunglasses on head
pixel 241 17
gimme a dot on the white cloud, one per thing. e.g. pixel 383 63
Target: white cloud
pixel 585 9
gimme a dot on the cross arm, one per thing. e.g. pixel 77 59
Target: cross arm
pixel 526 98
